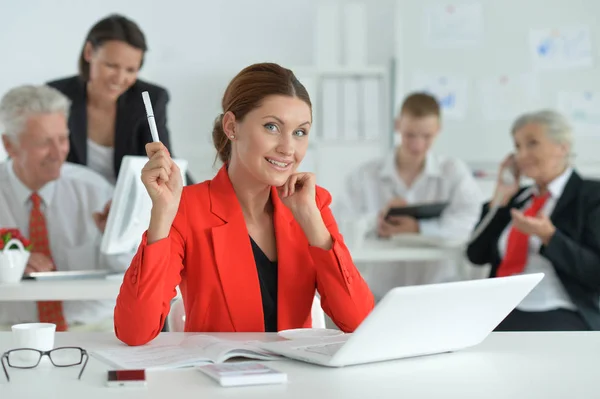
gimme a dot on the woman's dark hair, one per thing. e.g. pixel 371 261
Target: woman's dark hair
pixel 246 92
pixel 113 27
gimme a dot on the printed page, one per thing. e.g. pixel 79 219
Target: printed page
pixel 151 357
pixel 191 351
pixel 220 350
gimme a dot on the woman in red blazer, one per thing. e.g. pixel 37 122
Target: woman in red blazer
pixel 249 248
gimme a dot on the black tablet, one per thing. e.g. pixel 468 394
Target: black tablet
pixel 419 211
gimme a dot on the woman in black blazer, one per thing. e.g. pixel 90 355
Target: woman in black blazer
pixel 552 227
pixel 107 119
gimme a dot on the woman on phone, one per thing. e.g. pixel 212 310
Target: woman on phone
pixel 250 247
pixel 107 118
pixel 552 226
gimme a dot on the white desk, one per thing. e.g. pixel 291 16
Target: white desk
pixel 99 289
pixel 376 251
pixel 506 365
pixel 65 290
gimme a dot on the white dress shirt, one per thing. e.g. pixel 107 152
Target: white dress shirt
pixel 101 160
pixel 549 294
pixel 373 185
pixel 68 204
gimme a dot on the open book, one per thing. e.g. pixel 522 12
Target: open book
pixel 191 351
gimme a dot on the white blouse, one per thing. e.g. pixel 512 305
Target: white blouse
pixel 101 160
pixel 372 186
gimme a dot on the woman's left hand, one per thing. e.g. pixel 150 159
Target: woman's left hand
pixel 298 193
pixel 540 225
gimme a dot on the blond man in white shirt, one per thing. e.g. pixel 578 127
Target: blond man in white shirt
pixel 411 174
pixel 74 200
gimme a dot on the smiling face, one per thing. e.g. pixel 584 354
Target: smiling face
pixel 537 155
pixel 271 140
pixel 40 150
pixel 114 67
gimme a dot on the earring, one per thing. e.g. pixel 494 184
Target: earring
pixel 232 136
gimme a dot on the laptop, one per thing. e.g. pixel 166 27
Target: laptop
pixel 416 321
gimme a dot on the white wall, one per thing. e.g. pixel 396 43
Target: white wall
pixel 503 50
pixel 196 47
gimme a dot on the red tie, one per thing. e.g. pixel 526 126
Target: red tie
pixel 48 311
pixel 517 246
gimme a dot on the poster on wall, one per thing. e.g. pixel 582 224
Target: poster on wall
pixel 583 111
pixel 454 25
pixel 505 96
pixel 561 48
pixel 450 91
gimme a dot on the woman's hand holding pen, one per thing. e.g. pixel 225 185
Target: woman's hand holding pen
pixel 162 178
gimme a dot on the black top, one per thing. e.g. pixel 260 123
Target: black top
pixel 574 250
pixel 267 277
pixel 132 132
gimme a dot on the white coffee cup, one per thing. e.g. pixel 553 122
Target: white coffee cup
pixel 38 336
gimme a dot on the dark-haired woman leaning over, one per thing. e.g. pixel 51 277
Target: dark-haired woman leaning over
pixel 249 247
pixel 107 118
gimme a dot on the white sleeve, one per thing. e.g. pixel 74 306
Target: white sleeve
pixel 461 215
pixel 352 205
pixel 90 251
pixel 117 262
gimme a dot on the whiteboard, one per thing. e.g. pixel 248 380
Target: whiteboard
pixel 483 54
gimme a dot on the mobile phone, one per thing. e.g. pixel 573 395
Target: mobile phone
pixel 126 378
pixel 509 175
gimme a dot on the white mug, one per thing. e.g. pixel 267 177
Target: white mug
pixel 38 336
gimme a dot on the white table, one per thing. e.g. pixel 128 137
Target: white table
pixel 371 252
pixel 376 251
pixel 65 290
pixel 506 365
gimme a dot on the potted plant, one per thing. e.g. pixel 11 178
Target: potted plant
pixel 14 254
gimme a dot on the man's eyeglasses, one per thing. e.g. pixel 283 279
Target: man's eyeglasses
pixel 27 358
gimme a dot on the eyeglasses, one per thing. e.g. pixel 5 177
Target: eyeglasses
pixel 27 358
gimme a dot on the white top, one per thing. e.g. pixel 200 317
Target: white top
pixel 531 365
pixel 373 185
pixel 68 204
pixel 549 294
pixel 101 160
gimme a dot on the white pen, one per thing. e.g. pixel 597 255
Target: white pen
pixel 150 114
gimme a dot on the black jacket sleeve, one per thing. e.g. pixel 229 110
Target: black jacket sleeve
pixel 579 259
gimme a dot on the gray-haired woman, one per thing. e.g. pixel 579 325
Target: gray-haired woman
pixel 552 226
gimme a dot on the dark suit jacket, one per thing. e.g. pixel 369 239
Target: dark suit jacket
pixel 132 132
pixel 574 250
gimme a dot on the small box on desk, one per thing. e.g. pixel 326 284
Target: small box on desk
pixel 243 373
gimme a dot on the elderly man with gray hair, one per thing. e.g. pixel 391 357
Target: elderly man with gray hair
pixel 552 226
pixel 61 207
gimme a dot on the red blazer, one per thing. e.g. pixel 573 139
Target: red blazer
pixel 209 255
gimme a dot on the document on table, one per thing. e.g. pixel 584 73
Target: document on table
pixel 193 350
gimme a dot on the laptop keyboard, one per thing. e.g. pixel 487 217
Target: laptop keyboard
pixel 326 349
